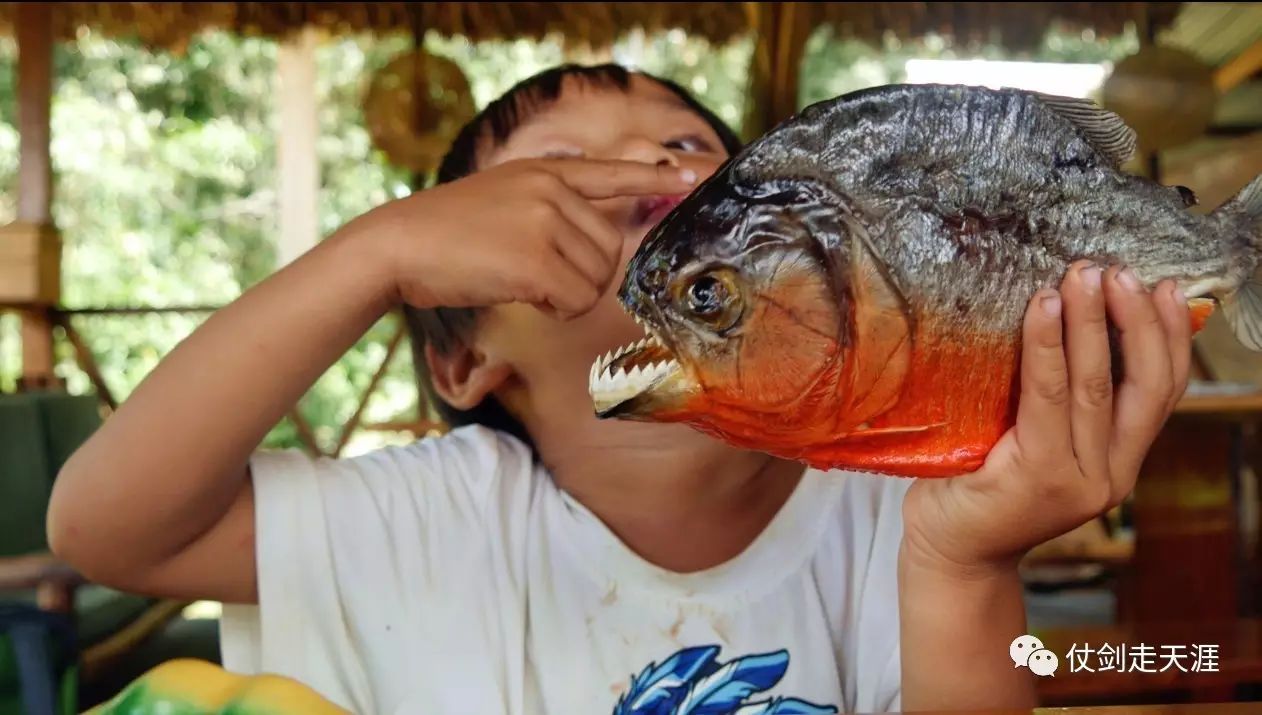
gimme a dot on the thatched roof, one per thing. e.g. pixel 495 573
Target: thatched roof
pixel 1012 24
pixel 170 25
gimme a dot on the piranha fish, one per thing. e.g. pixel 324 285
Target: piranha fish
pixel 848 291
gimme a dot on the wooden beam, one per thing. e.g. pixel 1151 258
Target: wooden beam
pixel 37 351
pixel 298 165
pixel 30 265
pixel 1239 68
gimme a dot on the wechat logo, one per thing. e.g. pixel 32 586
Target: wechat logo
pixel 1028 651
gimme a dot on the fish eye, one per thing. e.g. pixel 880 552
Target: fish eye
pixel 714 298
pixel 705 296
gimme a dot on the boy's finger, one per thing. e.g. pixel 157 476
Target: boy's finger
pixel 1042 429
pixel 1090 368
pixel 564 287
pixel 607 179
pixel 1148 383
pixel 583 253
pixel 587 219
pixel 1174 315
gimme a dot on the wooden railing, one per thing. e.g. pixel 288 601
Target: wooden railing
pixel 87 362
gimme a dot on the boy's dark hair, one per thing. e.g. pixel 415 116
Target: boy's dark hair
pixel 445 328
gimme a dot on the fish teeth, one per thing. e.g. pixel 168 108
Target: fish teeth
pixel 609 383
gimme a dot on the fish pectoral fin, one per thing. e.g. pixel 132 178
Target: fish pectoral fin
pixel 881 337
pixel 863 431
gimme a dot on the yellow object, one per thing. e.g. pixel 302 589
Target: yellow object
pixel 195 687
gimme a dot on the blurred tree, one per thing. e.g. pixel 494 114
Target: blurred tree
pixel 165 184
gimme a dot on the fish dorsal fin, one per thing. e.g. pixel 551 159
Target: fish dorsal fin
pixel 1104 130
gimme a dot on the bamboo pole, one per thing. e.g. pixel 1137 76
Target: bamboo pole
pixel 298 165
pixel 87 363
pixel 780 32
pixel 305 434
pixel 353 423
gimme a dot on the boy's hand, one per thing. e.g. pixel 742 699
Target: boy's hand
pixel 524 231
pixel 1078 444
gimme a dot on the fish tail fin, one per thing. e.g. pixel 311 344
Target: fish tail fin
pixel 1243 307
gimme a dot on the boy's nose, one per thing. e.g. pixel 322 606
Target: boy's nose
pixel 645 150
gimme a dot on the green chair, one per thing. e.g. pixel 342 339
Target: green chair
pixel 27 633
pixel 24 472
pixel 38 433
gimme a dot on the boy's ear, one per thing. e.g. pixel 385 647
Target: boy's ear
pixel 463 377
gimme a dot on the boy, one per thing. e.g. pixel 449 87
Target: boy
pixel 585 566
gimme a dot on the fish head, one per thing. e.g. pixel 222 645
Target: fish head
pixel 737 289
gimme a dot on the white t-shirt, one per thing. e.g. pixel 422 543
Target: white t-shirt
pixel 452 577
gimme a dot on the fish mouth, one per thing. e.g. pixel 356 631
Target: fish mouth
pixel 636 380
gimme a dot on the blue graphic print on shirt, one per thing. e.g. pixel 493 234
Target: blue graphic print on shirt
pixel 693 682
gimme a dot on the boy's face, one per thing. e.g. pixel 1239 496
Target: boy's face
pixel 647 123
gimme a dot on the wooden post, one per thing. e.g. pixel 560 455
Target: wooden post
pixel 35 84
pixel 30 249
pixel 780 31
pixel 299 179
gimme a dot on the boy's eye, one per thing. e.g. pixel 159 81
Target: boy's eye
pixel 688 143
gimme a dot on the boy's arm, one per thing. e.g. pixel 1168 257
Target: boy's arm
pixel 166 475
pixel 1075 452
pixel 159 500
pixel 955 631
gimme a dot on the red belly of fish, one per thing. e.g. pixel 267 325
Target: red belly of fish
pixel 964 389
pixel 956 403
pixel 958 399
